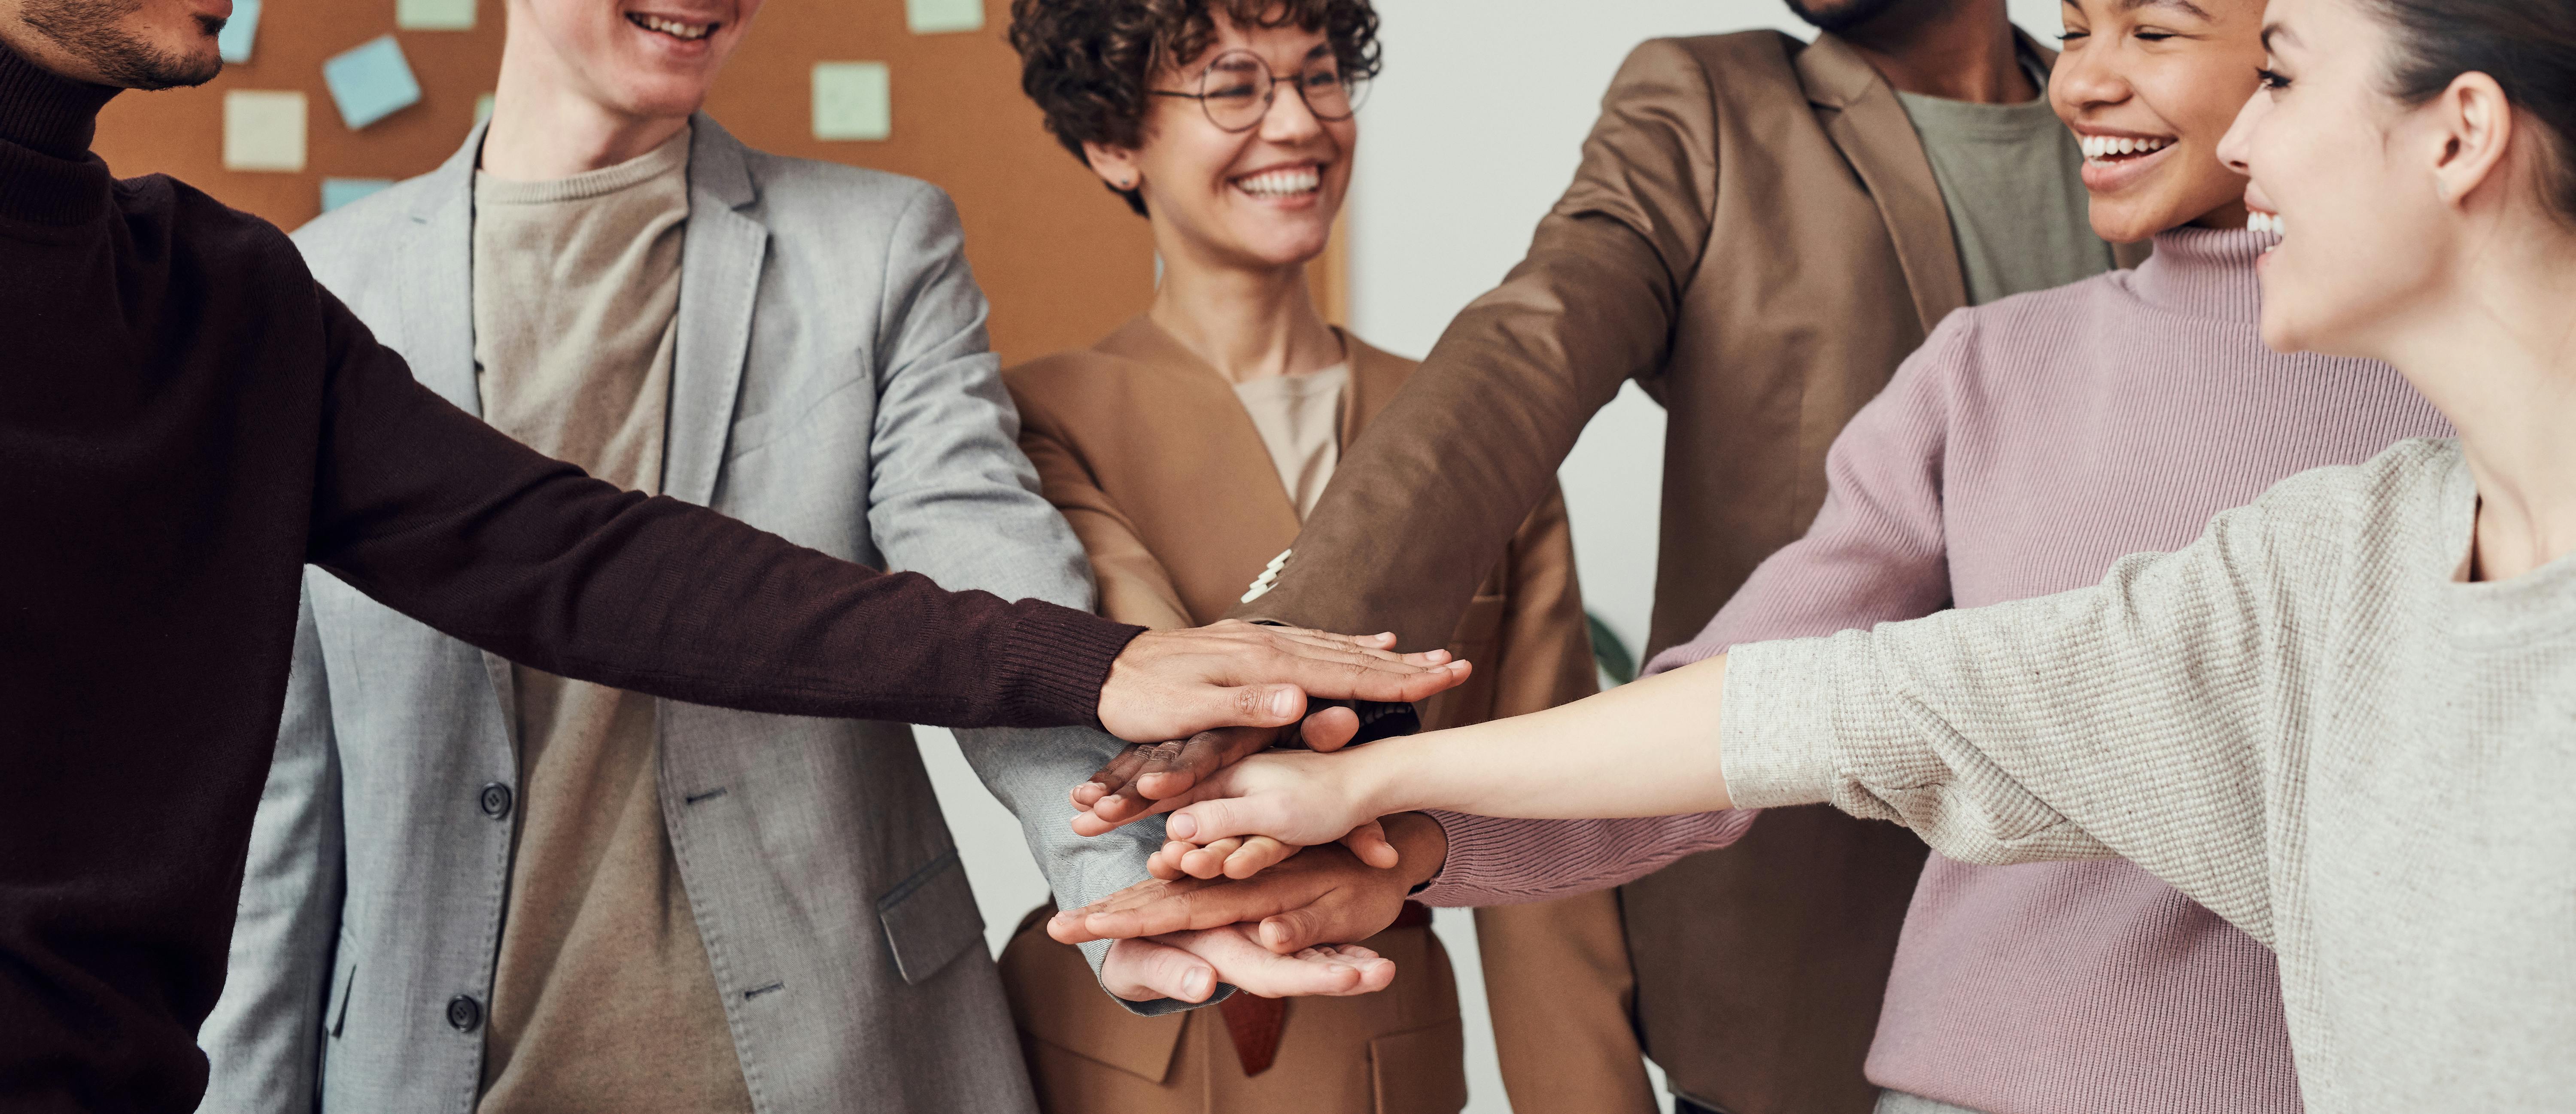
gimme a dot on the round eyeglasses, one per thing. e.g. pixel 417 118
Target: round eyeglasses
pixel 1237 89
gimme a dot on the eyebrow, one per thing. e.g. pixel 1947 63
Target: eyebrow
pixel 2183 5
pixel 2273 31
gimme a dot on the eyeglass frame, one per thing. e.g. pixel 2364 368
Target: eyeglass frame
pixel 1269 99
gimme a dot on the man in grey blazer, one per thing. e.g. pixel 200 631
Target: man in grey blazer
pixel 476 886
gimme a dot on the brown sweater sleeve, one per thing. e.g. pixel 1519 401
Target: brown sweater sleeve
pixel 1447 471
pixel 444 519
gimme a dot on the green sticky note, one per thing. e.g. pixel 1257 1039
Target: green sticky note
pixel 434 15
pixel 264 130
pixel 482 108
pixel 931 17
pixel 853 100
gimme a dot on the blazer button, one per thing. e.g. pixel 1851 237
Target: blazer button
pixel 464 1014
pixel 496 800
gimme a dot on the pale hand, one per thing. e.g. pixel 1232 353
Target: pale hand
pixel 1187 966
pixel 1323 896
pixel 1296 798
pixel 1175 684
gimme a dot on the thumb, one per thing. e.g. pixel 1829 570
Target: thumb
pixel 1208 821
pixel 1293 931
pixel 1142 970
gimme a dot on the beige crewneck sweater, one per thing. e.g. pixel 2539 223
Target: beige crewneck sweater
pixel 2306 721
pixel 602 999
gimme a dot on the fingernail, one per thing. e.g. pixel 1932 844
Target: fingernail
pixel 1200 984
pixel 1182 826
pixel 1283 703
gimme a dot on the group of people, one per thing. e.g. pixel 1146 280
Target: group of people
pixel 454 672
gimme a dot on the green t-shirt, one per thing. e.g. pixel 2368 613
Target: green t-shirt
pixel 2008 174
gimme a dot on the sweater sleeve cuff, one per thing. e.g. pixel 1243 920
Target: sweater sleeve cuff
pixel 1775 731
pixel 1054 662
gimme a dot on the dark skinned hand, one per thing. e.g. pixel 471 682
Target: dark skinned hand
pixel 1324 895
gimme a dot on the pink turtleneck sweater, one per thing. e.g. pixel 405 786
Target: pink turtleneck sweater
pixel 2029 444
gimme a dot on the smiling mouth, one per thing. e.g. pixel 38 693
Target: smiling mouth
pixel 685 32
pixel 1292 181
pixel 2256 220
pixel 2115 149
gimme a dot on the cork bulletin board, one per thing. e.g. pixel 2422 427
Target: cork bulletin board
pixel 1061 259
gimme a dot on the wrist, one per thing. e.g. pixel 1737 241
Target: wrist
pixel 1380 786
pixel 1421 847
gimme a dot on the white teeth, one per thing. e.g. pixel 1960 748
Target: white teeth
pixel 671 27
pixel 1281 183
pixel 2257 221
pixel 2112 146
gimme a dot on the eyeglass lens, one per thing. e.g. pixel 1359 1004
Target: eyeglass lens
pixel 1238 89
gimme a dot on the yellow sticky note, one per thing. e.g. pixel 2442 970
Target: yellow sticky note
pixel 264 130
pixel 434 15
pixel 853 100
pixel 931 17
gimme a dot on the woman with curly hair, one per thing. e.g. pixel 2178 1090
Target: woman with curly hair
pixel 1185 449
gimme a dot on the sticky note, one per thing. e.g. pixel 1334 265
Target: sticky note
pixel 370 81
pixel 434 15
pixel 263 130
pixel 931 17
pixel 482 108
pixel 234 41
pixel 852 100
pixel 337 192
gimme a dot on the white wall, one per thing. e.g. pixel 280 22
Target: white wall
pixel 1472 132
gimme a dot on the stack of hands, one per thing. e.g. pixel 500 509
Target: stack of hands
pixel 1273 863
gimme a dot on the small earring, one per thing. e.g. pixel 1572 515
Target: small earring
pixel 1127 184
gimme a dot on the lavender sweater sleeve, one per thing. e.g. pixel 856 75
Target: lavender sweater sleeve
pixel 1875 554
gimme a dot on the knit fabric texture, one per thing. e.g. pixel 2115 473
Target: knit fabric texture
pixel 2029 445
pixel 2307 721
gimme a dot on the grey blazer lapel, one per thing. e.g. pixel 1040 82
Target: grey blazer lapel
pixel 437 282
pixel 438 326
pixel 720 258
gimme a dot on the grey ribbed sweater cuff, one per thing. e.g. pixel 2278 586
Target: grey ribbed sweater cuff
pixel 1775 732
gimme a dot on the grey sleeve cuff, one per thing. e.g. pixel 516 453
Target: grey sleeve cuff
pixel 1775 731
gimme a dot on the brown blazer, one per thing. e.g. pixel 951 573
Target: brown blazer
pixel 1152 459
pixel 1756 237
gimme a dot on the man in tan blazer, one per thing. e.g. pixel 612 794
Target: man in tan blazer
pixel 1758 235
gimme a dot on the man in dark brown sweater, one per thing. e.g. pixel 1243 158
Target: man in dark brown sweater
pixel 186 419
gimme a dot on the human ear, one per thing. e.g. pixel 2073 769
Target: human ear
pixel 2473 128
pixel 1115 165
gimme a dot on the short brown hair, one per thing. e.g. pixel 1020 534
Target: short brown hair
pixel 1087 62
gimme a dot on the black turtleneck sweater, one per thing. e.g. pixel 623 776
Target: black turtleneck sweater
pixel 186 419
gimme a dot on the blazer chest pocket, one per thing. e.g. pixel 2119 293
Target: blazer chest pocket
pixel 930 918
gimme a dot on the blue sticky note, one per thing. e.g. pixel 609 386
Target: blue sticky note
pixel 337 192
pixel 234 41
pixel 370 81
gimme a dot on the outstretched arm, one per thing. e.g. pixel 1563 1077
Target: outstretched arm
pixel 439 516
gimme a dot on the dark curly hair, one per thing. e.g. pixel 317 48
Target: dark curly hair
pixel 1087 62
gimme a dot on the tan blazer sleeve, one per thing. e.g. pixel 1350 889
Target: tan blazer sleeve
pixel 1546 644
pixel 1134 586
pixel 1442 478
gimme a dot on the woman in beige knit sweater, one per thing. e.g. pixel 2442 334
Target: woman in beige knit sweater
pixel 2342 719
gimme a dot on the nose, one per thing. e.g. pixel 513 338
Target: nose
pixel 2236 149
pixel 2087 78
pixel 1289 119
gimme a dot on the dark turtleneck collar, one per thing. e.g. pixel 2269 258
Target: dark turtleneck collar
pixel 47 174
